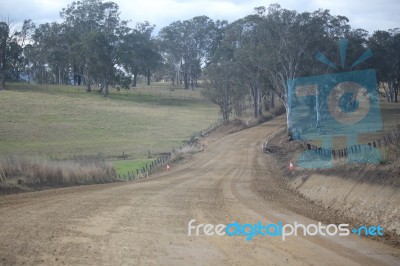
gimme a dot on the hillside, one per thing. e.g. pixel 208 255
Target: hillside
pixel 126 130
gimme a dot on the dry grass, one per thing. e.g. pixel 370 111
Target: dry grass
pixel 391 154
pixel 37 172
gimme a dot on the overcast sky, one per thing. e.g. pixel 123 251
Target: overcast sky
pixel 368 14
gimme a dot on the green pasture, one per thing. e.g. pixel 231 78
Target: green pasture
pixel 62 122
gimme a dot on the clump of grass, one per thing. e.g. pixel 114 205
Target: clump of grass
pixel 391 153
pixel 38 172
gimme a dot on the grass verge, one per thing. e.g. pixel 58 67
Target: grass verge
pixel 20 173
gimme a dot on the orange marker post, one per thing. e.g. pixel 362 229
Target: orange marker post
pixel 291 167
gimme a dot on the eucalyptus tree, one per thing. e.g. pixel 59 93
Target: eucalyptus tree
pixel 50 51
pixel 386 48
pixel 137 52
pixel 188 46
pixel 14 59
pixel 4 32
pixel 222 82
pixel 292 40
pixel 93 26
pixel 23 37
pixel 224 77
pixel 249 52
pixel 169 39
pixel 146 49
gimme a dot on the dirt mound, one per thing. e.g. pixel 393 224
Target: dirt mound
pixel 359 194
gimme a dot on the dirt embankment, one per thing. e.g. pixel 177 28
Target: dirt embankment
pixel 364 202
pixel 359 194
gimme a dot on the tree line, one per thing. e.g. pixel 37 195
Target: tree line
pixel 261 52
pixel 251 58
pixel 92 45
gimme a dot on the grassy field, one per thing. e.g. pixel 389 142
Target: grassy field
pixel 122 167
pixel 65 121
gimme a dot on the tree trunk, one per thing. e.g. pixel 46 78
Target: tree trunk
pixel 105 90
pixel 255 101
pixel 192 82
pixel 272 105
pixel 255 95
pixel 148 76
pixel 17 73
pixel 288 119
pixel 2 77
pixel 135 78
pixel 105 84
pixel 88 88
pixel 225 104
pixel 286 99
pixel 4 31
pixel 186 80
pixel 29 75
pixel 317 107
pixel 41 75
pixel 392 93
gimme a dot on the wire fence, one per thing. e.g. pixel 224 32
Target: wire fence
pixel 162 161
pixel 389 138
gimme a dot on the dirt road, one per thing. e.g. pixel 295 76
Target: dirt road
pixel 146 222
